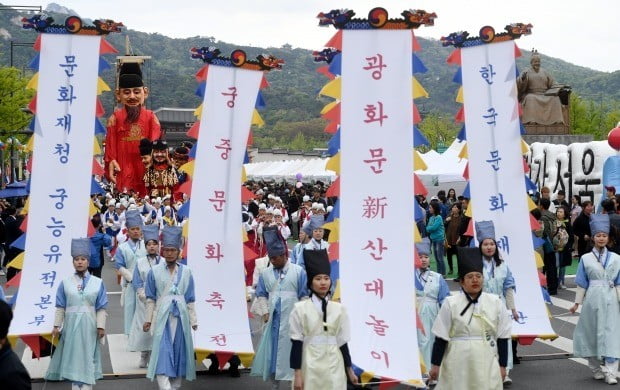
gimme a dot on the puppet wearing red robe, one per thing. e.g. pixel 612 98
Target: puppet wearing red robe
pixel 125 128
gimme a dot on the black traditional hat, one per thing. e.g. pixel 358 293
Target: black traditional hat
pixel 317 263
pixel 160 144
pixel 146 146
pixel 130 75
pixel 469 260
pixel 276 245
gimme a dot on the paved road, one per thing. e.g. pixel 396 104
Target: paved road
pixel 545 365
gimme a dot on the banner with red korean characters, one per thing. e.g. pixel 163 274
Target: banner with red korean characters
pixel 62 163
pixel 215 243
pixel 496 172
pixel 377 201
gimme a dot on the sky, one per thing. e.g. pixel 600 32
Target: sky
pixel 584 33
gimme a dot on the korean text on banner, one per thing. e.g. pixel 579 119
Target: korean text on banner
pixel 215 247
pixel 376 215
pixel 496 172
pixel 61 173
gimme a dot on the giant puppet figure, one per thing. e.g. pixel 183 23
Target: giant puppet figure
pixel 161 176
pixel 126 127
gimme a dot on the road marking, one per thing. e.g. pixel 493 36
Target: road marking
pixel 123 361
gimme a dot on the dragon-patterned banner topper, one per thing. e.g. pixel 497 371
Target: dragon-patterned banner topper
pixel 72 25
pixel 342 19
pixel 487 35
pixel 238 58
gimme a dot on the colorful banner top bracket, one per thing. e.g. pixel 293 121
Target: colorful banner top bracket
pixel 487 35
pixel 73 25
pixel 238 58
pixel 342 19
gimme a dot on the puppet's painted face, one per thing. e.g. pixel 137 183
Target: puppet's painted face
pixel 160 156
pixel 132 97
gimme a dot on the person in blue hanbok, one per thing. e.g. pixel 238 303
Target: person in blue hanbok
pixel 279 287
pixel 498 278
pixel 298 249
pixel 126 256
pixel 171 315
pixel 313 229
pixel 80 318
pixel 598 280
pixel 138 339
pixel 431 290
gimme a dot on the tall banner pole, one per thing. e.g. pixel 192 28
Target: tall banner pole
pixel 230 88
pixel 494 149
pixel 59 206
pixel 371 64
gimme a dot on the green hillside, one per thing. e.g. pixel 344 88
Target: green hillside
pixel 292 103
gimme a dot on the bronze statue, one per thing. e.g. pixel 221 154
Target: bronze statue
pixel 540 96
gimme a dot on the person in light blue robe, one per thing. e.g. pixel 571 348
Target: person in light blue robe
pixel 139 340
pixel 498 278
pixel 279 287
pixel 431 290
pixel 171 315
pixel 126 256
pixel 297 252
pixel 313 229
pixel 598 280
pixel 80 318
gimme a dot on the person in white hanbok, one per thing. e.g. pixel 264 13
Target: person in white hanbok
pixel 80 318
pixel 431 290
pixel 139 340
pixel 472 333
pixel 320 330
pixel 126 256
pixel 598 280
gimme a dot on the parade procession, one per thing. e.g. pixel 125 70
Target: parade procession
pixel 162 249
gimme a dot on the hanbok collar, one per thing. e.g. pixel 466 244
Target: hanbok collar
pixel 602 257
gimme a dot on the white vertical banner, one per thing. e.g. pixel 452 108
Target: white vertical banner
pixel 215 247
pixel 496 174
pixel 376 201
pixel 61 173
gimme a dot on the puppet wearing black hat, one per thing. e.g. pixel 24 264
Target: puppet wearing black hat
pixel 126 127
pixel 161 177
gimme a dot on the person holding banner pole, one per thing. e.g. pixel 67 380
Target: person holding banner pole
pixel 171 315
pixel 471 333
pixel 498 278
pixel 598 280
pixel 279 287
pixel 431 290
pixel 126 256
pixel 138 339
pixel 320 331
pixel 80 311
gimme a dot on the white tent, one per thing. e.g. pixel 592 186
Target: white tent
pixel 311 170
pixel 444 170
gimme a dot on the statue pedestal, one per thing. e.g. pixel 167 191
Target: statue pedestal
pixel 558 139
pixel 555 129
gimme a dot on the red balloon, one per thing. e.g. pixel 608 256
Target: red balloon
pixel 613 138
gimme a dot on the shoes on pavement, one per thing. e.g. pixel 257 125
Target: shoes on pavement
pixel 598 374
pixel 507 381
pixel 610 379
pixel 561 286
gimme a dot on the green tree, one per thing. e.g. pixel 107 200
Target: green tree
pixel 14 97
pixel 438 130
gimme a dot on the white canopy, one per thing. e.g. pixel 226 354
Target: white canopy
pixel 311 170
